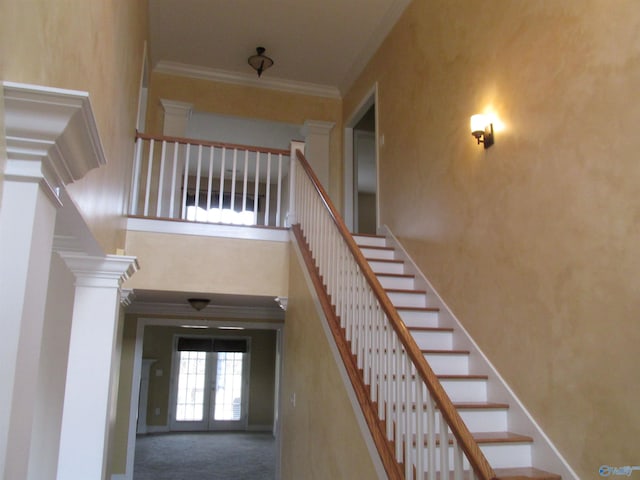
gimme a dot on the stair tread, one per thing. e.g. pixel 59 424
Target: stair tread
pixel 471 406
pixel 405 290
pixel 396 275
pixel 377 247
pixel 464 377
pixel 370 235
pixel 524 473
pixel 419 309
pixel 430 329
pixel 385 260
pixel 432 351
pixel 488 437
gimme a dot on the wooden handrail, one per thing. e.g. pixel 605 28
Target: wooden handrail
pixel 206 143
pixel 474 455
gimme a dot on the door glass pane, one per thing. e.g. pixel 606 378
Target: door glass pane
pixel 191 383
pixel 228 386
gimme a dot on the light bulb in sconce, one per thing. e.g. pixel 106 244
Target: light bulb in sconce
pixel 482 129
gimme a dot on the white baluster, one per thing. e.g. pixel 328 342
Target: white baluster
pixel 135 181
pixel 221 195
pixel 279 194
pixel 161 179
pixel 174 173
pixel 185 183
pixel 210 179
pixel 444 452
pixel 148 186
pixel 256 183
pixel 244 182
pixel 268 190
pixel 198 173
pixel 233 180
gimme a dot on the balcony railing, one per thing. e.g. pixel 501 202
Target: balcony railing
pixel 215 182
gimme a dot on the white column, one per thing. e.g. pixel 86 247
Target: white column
pixel 293 165
pixel 176 120
pixel 27 220
pixel 88 396
pixel 316 138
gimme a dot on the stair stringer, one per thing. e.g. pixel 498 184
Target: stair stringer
pixel 544 454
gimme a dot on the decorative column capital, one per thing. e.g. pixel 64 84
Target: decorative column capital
pixel 317 127
pixel 51 135
pixel 107 272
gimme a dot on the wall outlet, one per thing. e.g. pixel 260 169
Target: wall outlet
pixel 156 412
pixel 293 400
pixel 159 372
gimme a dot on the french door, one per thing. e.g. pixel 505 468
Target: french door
pixel 210 383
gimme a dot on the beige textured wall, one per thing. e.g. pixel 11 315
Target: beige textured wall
pixel 158 344
pixel 94 46
pixel 250 102
pixel 208 264
pixel 534 242
pixel 320 436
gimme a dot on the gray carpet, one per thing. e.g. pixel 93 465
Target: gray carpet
pixel 205 456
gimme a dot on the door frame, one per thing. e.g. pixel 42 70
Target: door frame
pixel 208 423
pixel 369 99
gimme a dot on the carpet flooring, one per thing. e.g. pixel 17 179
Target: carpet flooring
pixel 205 456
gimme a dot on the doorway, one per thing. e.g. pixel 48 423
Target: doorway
pixel 209 383
pixel 361 168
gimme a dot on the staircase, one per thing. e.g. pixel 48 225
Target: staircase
pixel 459 372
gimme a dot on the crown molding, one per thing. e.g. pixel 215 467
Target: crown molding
pixel 209 312
pixel 246 80
pixel 53 126
pixel 104 271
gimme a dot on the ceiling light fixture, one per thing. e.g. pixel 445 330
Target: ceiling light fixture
pixel 482 129
pixel 198 303
pixel 260 62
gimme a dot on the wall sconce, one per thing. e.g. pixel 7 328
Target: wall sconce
pixel 260 62
pixel 482 129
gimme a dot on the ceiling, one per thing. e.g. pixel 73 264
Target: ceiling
pixel 321 42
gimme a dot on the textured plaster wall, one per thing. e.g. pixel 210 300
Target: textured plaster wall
pixel 208 264
pixel 250 102
pixel 94 46
pixel 534 242
pixel 320 436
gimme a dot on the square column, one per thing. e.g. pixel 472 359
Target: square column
pixel 316 138
pixel 88 393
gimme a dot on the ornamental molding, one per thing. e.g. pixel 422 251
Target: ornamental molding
pixel 108 271
pixel 246 80
pixel 51 135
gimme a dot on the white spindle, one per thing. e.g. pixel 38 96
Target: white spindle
pixel 185 183
pixel 174 173
pixel 444 452
pixel 148 186
pixel 135 182
pixel 268 190
pixel 210 177
pixel 233 180
pixel 244 183
pixel 256 182
pixel 198 173
pixel 161 179
pixel 431 430
pixel 458 465
pixel 221 196
pixel 279 194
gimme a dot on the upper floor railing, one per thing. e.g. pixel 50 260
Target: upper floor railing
pixel 215 182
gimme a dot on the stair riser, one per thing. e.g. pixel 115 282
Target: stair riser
pixel 362 241
pixel 454 364
pixel 386 267
pixel 498 456
pixel 400 283
pixel 493 420
pixel 419 318
pixel 402 299
pixel 466 390
pixel 430 340
pixel 378 253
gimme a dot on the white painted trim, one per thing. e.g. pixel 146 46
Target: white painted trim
pixel 259 428
pixel 357 410
pixel 369 99
pixel 158 429
pixel 235 78
pixel 119 476
pixel 544 455
pixel 208 229
pixel 54 126
pixel 375 40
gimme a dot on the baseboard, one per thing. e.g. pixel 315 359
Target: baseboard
pixel 119 476
pixel 259 428
pixel 158 429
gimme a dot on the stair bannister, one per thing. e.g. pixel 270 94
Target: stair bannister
pixel 400 381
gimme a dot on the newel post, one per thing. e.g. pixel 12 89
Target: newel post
pixel 296 145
